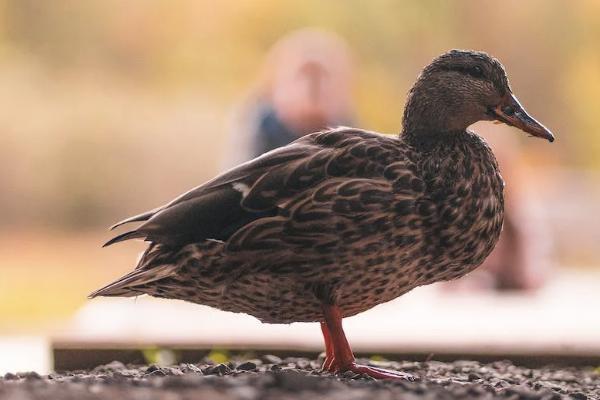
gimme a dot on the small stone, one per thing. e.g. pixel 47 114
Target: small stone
pixel 156 372
pixel 173 371
pixel 579 396
pixel 9 376
pixel 350 375
pixel 290 360
pixel 246 366
pixel 32 375
pixel 152 368
pixel 464 365
pixel 186 368
pixel 271 359
pixel 500 383
pixel 114 365
pixel 219 369
pixel 473 377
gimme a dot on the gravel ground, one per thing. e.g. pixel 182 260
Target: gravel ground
pixel 300 378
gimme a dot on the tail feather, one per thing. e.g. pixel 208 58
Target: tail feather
pixel 126 285
pixel 136 218
pixel 125 236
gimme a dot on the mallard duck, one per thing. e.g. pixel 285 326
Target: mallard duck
pixel 341 220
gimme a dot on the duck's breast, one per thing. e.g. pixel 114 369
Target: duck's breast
pixel 464 183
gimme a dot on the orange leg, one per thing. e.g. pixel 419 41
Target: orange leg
pixel 339 356
pixel 328 348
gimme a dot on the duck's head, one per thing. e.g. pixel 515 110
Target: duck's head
pixel 460 88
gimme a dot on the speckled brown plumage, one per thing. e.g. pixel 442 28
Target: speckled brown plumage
pixel 345 217
pixel 354 224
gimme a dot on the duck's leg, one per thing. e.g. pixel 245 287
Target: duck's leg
pixel 327 364
pixel 343 358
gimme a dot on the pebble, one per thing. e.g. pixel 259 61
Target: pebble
pixel 29 375
pixel 156 372
pixel 9 376
pixel 473 377
pixel 219 369
pixel 152 368
pixel 246 366
pixel 301 379
pixel 271 359
pixel 185 368
pixel 579 396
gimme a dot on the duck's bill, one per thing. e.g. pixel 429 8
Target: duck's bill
pixel 512 113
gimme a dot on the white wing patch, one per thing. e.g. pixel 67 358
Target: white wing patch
pixel 242 188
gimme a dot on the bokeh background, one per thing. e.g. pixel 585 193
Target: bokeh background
pixel 109 108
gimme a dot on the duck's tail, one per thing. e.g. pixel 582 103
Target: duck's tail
pixel 153 265
pixel 129 285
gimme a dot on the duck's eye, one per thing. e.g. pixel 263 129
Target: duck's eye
pixel 476 71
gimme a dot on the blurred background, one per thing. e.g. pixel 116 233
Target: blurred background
pixel 109 108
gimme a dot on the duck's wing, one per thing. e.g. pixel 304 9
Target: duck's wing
pixel 335 211
pixel 262 188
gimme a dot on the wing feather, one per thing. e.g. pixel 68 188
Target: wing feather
pixel 261 189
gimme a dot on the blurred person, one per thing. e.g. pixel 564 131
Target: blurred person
pixel 305 86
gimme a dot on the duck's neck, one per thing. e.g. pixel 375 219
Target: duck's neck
pixel 431 114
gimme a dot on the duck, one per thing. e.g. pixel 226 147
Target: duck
pixel 343 219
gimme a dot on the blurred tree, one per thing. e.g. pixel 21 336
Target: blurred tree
pixel 157 81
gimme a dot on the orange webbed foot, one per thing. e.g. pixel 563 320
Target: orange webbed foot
pixel 330 365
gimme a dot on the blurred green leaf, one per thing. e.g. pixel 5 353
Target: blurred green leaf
pixel 159 356
pixel 219 356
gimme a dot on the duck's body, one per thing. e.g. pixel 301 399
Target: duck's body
pixel 361 218
pixel 341 220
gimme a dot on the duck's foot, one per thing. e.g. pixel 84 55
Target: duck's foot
pixel 379 373
pixel 374 372
pixel 338 355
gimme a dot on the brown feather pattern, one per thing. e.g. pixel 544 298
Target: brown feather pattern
pixel 343 216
